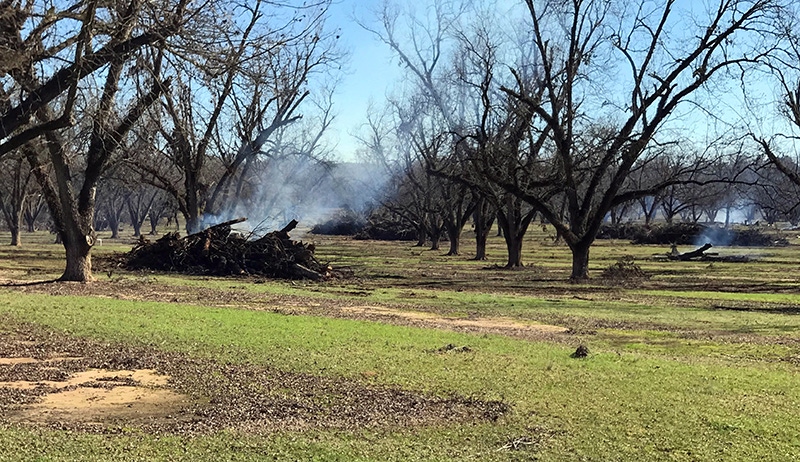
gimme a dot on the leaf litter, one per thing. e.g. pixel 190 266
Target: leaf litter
pixel 54 380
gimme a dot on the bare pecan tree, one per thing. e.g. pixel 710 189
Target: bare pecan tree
pixel 48 97
pixel 669 58
pixel 236 83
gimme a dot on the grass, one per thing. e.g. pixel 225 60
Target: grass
pixel 670 376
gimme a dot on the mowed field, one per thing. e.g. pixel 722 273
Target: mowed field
pixel 413 356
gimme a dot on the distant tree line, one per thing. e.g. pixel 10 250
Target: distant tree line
pixel 147 108
pixel 571 113
pixel 579 112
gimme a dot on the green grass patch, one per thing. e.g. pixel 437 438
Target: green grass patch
pixel 630 404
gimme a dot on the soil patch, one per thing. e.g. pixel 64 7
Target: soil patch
pixel 482 324
pixel 71 383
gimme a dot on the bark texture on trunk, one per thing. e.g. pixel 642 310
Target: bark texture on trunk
pixel 137 228
pixel 435 238
pixel 455 240
pixel 15 226
pixel 421 237
pixel 15 237
pixel 79 258
pixel 514 247
pixel 580 262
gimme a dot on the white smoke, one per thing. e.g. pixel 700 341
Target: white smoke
pixel 304 190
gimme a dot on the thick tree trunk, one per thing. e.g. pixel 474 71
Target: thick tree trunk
pixel 514 224
pixel 153 226
pixel 137 215
pixel 137 228
pixel 15 236
pixel 79 258
pixel 480 247
pixel 113 224
pixel 422 236
pixel 580 262
pixel 454 233
pixel 514 247
pixel 14 222
pixel 192 223
pixel 435 236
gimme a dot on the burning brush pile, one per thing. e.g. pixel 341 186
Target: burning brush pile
pixel 219 252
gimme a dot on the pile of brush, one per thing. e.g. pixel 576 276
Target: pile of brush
pixel 217 251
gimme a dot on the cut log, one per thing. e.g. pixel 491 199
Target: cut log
pixel 697 253
pixel 303 272
pixel 292 225
pixel 283 233
pixel 219 226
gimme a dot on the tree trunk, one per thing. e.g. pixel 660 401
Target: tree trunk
pixel 113 223
pixel 153 224
pixel 454 233
pixel 435 236
pixel 514 246
pixel 79 258
pixel 15 237
pixel 483 218
pixel 137 228
pixel 514 224
pixel 421 236
pixel 192 223
pixel 580 262
pixel 480 247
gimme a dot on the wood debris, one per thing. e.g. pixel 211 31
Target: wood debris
pixel 216 251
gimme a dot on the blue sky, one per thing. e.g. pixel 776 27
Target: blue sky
pixel 371 71
pixel 367 75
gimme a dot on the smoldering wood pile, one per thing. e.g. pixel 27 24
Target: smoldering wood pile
pixel 702 254
pixel 217 251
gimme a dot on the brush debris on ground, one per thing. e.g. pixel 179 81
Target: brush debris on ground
pixel 219 252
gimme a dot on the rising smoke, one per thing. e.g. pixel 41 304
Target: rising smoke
pixel 304 190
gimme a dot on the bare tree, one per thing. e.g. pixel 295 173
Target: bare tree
pixel 70 166
pixel 33 207
pixel 112 196
pixel 32 34
pixel 15 182
pixel 255 71
pixel 139 202
pixel 456 98
pixel 595 139
pixel 777 197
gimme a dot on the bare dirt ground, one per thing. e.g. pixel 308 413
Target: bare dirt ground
pixel 62 382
